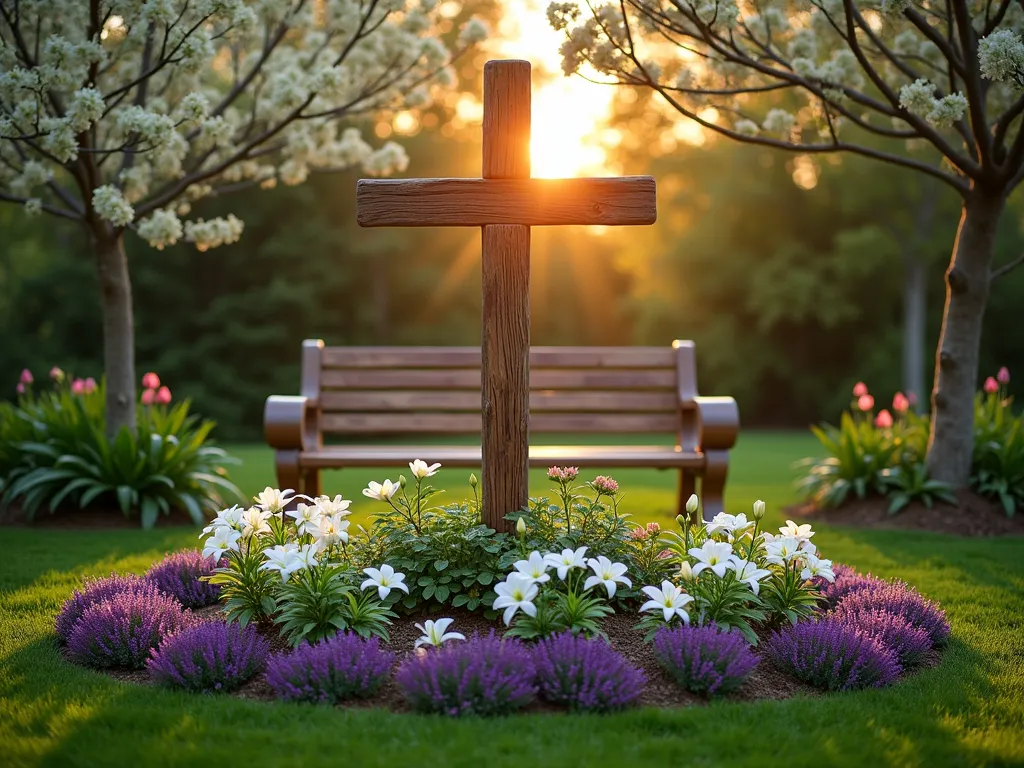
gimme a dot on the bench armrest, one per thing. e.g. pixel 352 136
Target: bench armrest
pixel 719 423
pixel 287 422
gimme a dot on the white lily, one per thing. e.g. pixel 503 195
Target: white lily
pixel 796 531
pixel 282 559
pixel 254 522
pixel 670 600
pixel 716 555
pixel 607 573
pixel 781 550
pixel 307 518
pixel 420 469
pixel 566 561
pixel 434 633
pixel 222 540
pixel 536 567
pixel 732 525
pixel 384 579
pixel 331 530
pixel 515 593
pixel 815 566
pixel 748 573
pixel 272 499
pixel 331 507
pixel 381 491
pixel 226 518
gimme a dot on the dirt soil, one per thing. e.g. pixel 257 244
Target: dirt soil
pixel 974 516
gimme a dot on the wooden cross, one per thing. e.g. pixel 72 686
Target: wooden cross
pixel 505 203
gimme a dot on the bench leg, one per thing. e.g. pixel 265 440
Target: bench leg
pixel 687 486
pixel 286 465
pixel 311 483
pixel 713 483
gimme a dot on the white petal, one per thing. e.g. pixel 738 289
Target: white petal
pixel 382 591
pixel 509 613
pixel 592 582
pixel 651 605
pixel 652 592
pixel 452 636
pixel 611 588
pixel 528 608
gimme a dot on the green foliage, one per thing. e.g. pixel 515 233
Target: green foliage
pixel 904 484
pixel 246 589
pixel 998 466
pixel 564 606
pixel 786 596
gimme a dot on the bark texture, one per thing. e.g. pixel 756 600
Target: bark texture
pixel 118 329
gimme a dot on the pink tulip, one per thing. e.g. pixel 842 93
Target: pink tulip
pixel 163 396
pixel 78 387
pixel 1003 377
pixel 860 389
pixel 20 389
pixel 900 403
pixel 26 377
pixel 56 374
pixel 90 385
pixel 883 420
pixel 865 402
pixel 151 381
pixel 991 385
pixel 147 396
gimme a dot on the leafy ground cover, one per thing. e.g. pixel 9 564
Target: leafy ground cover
pixel 966 711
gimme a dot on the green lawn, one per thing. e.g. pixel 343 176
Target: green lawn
pixel 967 711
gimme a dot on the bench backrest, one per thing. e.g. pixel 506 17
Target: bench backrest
pixel 436 390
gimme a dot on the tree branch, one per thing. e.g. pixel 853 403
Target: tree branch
pixel 1006 268
pixel 46 206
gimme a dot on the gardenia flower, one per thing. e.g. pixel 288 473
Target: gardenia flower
pixel 716 555
pixel 566 561
pixel 272 499
pixel 608 573
pixel 307 518
pixel 814 566
pixel 516 592
pixel 434 633
pixel 222 540
pixel 782 550
pixel 748 573
pixel 384 579
pixel 796 531
pixel 535 567
pixel 254 522
pixel 671 600
pixel 420 469
pixel 381 491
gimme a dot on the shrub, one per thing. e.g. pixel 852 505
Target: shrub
pixel 210 656
pixel 97 591
pixel 179 575
pixel 706 660
pixel 997 468
pixel 122 630
pixel 344 667
pixel 484 676
pixel 907 641
pixel 831 655
pixel 901 600
pixel 585 674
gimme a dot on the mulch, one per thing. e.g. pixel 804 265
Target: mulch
pixel 974 515
pixel 766 681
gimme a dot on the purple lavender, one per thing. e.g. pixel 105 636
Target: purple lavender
pixel 483 676
pixel 901 600
pixel 907 641
pixel 585 674
pixel 345 666
pixel 831 655
pixel 210 656
pixel 706 660
pixel 846 583
pixel 179 575
pixel 97 591
pixel 122 630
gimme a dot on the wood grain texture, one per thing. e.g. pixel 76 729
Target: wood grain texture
pixel 506 150
pixel 468 400
pixel 470 378
pixel 469 357
pixel 625 200
pixel 465 423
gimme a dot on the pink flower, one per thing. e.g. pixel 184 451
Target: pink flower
pixel 147 396
pixel 605 484
pixel 20 389
pixel 865 402
pixel 163 396
pixel 883 420
pixel 78 387
pixel 991 385
pixel 664 554
pixel 56 374
pixel 912 399
pixel 900 403
pixel 638 534
pixel 653 528
pixel 90 385
pixel 26 377
pixel 151 381
pixel 563 474
pixel 860 389
pixel 1003 377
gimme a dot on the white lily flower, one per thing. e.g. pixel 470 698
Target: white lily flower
pixel 272 499
pixel 808 548
pixel 716 555
pixel 815 566
pixel 420 469
pixel 307 518
pixel 222 540
pixel 748 573
pixel 566 561
pixel 384 579
pixel 331 530
pixel 226 518
pixel 381 491
pixel 305 556
pixel 516 592
pixel 284 559
pixel 607 573
pixel 254 522
pixel 732 525
pixel 536 567
pixel 781 550
pixel 796 531
pixel 331 507
pixel 670 600
pixel 434 633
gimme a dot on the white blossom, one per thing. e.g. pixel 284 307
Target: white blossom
pixel 746 128
pixel 1001 55
pixel 110 204
pixel 473 32
pixel 215 232
pixel 894 7
pixel 161 228
pixel 918 97
pixel 85 108
pixel 947 110
pixel 779 121
pixel 33 206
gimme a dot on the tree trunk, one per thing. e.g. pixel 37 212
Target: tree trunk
pixel 951 442
pixel 914 315
pixel 118 330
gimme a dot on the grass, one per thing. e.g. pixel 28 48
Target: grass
pixel 967 711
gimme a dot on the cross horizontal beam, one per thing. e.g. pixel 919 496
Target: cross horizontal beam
pixel 533 202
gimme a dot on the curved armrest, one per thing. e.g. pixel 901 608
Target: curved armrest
pixel 286 422
pixel 719 423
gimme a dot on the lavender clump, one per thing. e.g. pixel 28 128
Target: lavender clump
pixel 345 666
pixel 907 641
pixel 122 630
pixel 900 599
pixel 706 660
pixel 831 655
pixel 587 675
pixel 483 676
pixel 179 575
pixel 97 591
pixel 847 582
pixel 208 657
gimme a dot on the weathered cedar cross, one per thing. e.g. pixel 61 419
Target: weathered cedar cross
pixel 505 203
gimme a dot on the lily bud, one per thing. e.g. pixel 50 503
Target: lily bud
pixel 521 526
pixel 691 503
pixel 758 509
pixel 681 520
pixel 685 571
pixel 401 481
pixel 472 480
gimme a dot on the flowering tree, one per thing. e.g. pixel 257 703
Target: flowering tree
pixel 122 114
pixel 895 80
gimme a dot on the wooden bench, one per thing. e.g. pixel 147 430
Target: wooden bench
pixel 375 391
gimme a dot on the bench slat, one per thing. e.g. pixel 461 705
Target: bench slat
pixel 462 378
pixel 469 357
pixel 470 423
pixel 549 400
